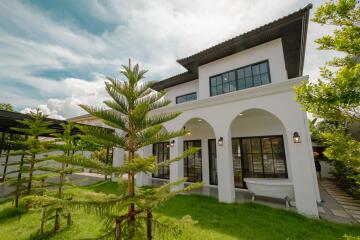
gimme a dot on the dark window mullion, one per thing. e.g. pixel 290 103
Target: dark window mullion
pixel 252 155
pixel 262 157
pixel 236 79
pixel 273 157
pixel 252 75
pixel 242 160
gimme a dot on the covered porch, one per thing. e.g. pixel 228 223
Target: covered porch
pixel 258 151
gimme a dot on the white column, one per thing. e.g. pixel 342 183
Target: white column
pixel 302 164
pixel 177 168
pixel 311 156
pixel 205 160
pixel 118 160
pixel 226 187
pixel 144 179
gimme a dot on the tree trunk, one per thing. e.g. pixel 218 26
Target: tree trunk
pixel 18 183
pixel 30 175
pixel 7 158
pixel 42 223
pixel 57 220
pixel 117 228
pixel 68 220
pixel 149 219
pixel 42 187
pixel 131 211
pixel 61 180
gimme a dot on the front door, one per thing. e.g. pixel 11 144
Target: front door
pixel 193 164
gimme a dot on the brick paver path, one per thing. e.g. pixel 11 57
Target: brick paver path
pixel 351 206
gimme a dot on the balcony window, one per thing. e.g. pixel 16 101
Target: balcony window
pixel 186 98
pixel 241 78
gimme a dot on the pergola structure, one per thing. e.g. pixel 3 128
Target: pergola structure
pixel 9 120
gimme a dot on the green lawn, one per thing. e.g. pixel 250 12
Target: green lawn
pixel 215 221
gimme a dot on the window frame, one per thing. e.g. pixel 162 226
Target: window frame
pixel 240 139
pixel 236 77
pixel 165 169
pixel 184 95
pixel 186 162
pixel 212 157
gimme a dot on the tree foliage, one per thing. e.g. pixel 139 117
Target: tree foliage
pixel 335 98
pixel 30 149
pixel 128 214
pixel 6 107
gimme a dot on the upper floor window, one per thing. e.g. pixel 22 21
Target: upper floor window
pixel 241 78
pixel 186 98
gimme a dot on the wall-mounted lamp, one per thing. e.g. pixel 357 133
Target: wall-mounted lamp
pixel 188 132
pixel 220 141
pixel 296 137
pixel 172 143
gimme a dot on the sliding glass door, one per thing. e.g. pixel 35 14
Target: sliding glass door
pixel 162 152
pixel 258 157
pixel 192 164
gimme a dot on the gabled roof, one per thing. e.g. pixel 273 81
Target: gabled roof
pixel 292 29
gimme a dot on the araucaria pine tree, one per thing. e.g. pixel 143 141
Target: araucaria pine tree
pixel 65 143
pixel 31 149
pixel 129 113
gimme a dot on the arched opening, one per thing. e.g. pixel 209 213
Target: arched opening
pixel 200 166
pixel 258 146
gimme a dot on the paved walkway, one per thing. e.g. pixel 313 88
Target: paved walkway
pixel 337 205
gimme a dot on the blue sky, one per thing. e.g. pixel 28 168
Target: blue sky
pixel 55 54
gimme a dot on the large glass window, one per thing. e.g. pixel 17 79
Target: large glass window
pixel 245 77
pixel 192 164
pixel 162 153
pixel 186 98
pixel 259 157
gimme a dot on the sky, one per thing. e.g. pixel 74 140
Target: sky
pixel 55 54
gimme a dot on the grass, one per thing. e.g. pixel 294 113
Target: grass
pixel 215 221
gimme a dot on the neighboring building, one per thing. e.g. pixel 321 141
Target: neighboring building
pixel 237 101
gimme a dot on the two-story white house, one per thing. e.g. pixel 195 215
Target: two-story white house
pixel 237 102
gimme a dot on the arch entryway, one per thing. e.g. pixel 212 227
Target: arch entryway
pixel 258 146
pixel 200 166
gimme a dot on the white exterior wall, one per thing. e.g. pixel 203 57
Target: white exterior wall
pixel 271 51
pixel 244 126
pixel 278 100
pixel 182 89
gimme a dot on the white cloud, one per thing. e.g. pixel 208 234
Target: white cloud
pixel 77 92
pixel 45 110
pixel 154 33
